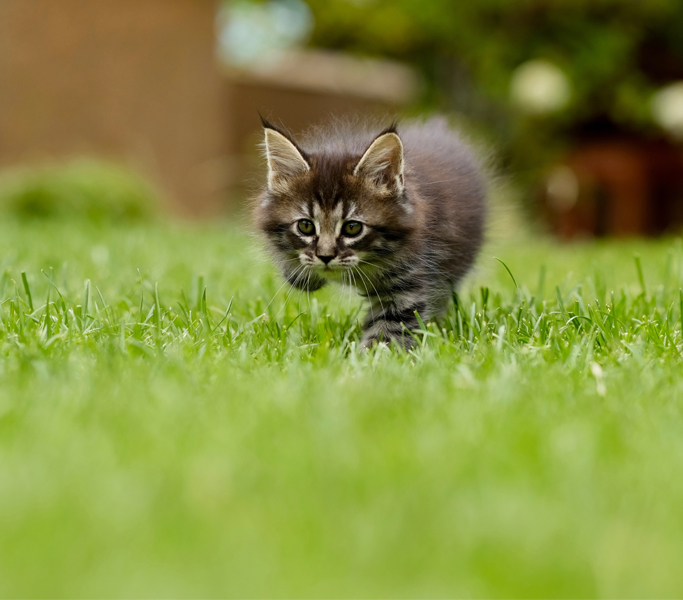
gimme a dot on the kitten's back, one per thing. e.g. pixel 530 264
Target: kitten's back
pixel 449 180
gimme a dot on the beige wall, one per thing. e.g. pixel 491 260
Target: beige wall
pixel 133 80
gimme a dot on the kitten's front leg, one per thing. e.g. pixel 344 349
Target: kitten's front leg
pixel 392 320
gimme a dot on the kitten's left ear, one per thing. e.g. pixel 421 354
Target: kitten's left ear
pixel 383 161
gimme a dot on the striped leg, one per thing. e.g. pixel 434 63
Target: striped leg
pixel 391 321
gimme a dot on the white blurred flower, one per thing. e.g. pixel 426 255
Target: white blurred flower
pixel 667 108
pixel 540 87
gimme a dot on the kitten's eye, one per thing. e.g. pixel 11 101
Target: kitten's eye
pixel 306 227
pixel 352 228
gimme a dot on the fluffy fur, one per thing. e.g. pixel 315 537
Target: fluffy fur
pixel 399 214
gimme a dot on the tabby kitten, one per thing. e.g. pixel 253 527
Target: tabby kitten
pixel 398 215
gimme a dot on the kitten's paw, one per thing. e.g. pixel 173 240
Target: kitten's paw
pixel 404 342
pixel 371 342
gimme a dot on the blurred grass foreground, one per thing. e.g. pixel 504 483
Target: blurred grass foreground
pixel 174 423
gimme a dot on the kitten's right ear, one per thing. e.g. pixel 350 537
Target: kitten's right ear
pixel 285 160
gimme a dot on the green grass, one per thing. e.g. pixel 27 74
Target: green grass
pixel 169 426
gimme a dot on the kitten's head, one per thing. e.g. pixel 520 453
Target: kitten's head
pixel 335 209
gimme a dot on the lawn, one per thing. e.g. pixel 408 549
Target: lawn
pixel 173 424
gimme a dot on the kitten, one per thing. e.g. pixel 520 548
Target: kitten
pixel 399 215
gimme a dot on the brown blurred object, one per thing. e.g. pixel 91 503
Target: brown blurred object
pixel 130 80
pixel 620 186
pixel 138 81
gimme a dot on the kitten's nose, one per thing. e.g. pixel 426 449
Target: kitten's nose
pixel 325 259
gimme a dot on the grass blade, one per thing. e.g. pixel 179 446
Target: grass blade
pixel 27 289
pixel 509 272
pixel 641 277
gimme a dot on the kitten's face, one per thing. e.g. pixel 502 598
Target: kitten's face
pixel 329 238
pixel 331 214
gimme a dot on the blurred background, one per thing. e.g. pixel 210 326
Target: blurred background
pixel 107 106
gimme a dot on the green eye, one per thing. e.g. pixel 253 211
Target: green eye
pixel 352 228
pixel 306 227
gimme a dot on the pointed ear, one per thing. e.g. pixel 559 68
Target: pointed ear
pixel 383 161
pixel 285 160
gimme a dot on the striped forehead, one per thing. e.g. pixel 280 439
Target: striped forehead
pixel 328 177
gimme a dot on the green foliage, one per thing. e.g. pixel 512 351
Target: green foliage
pixel 174 423
pixel 95 191
pixel 597 42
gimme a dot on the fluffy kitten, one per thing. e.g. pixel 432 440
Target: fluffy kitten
pixel 399 215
